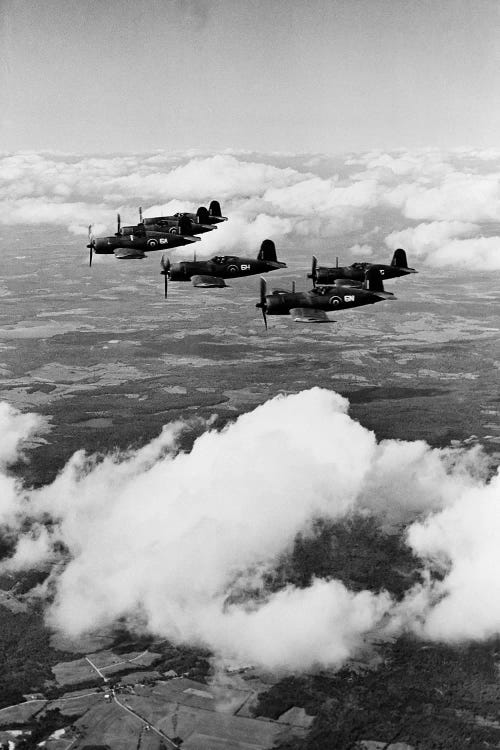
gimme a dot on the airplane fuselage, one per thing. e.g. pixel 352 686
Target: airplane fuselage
pixel 186 222
pixel 208 218
pixel 222 267
pixel 356 272
pixel 141 242
pixel 326 298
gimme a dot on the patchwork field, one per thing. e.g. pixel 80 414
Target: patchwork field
pixel 105 662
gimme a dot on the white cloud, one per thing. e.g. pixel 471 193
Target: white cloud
pixel 361 251
pixel 15 429
pixel 320 199
pixel 477 253
pixel 463 540
pixel 165 537
pixel 426 239
pixel 460 196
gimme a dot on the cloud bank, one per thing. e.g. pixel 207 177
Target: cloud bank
pixel 443 207
pixel 171 540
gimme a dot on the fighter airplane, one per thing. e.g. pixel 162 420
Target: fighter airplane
pixel 312 306
pixel 135 241
pixel 211 273
pixel 204 220
pixel 356 271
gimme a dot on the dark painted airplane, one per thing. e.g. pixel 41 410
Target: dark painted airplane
pixel 204 220
pixel 356 271
pixel 313 306
pixel 136 241
pixel 211 273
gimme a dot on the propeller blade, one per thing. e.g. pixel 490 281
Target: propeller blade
pixel 314 272
pixel 91 244
pixel 165 268
pixel 140 215
pixel 263 289
pixel 263 303
pixel 265 318
pixel 118 223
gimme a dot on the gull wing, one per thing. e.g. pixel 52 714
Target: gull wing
pixel 207 281
pixel 126 253
pixel 309 315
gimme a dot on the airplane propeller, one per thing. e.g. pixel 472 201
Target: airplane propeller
pixel 263 303
pixel 165 266
pixel 140 215
pixel 118 224
pixel 314 270
pixel 91 244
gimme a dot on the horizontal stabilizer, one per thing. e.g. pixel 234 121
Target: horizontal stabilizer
pixel 125 253
pixel 207 281
pixel 309 315
pixel 385 295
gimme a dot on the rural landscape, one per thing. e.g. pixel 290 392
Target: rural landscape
pixel 249 370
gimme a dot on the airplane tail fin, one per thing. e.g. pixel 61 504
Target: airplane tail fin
pixel 215 210
pixel 373 280
pixel 185 225
pixel 399 258
pixel 203 215
pixel 373 283
pixel 268 251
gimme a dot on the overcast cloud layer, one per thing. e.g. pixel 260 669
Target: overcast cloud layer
pixel 163 537
pixel 443 208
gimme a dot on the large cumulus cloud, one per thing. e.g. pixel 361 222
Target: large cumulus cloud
pixel 176 541
pixel 443 206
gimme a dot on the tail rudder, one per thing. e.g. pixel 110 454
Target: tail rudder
pixel 373 280
pixel 373 283
pixel 203 215
pixel 267 251
pixel 215 210
pixel 184 226
pixel 399 258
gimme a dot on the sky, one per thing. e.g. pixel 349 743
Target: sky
pixel 87 76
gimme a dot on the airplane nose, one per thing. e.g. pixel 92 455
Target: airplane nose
pixel 102 247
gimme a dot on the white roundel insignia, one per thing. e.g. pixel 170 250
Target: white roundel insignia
pixel 233 269
pixel 152 243
pixel 173 230
pixel 334 301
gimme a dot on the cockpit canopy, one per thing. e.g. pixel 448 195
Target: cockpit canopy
pixel 222 259
pixel 137 231
pixel 323 290
pixel 157 220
